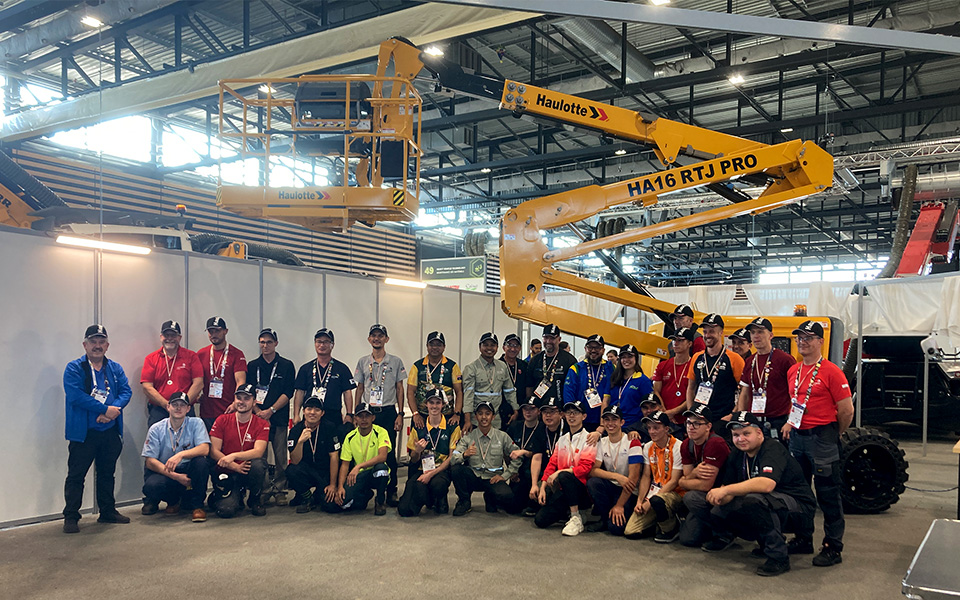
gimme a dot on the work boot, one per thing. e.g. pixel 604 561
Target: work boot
pixel 379 509
pixel 462 508
pixel 442 507
pixel 772 568
pixel 392 499
pixel 717 544
pixel 199 515
pixel 828 557
pixel 112 517
pixel 172 509
pixel 71 526
pixel 149 508
pixel 258 510
pixel 799 545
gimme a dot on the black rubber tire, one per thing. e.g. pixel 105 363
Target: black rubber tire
pixel 873 470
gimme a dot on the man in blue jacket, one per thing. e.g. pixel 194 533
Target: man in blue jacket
pixel 588 380
pixel 96 391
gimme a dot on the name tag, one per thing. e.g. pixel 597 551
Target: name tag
pixel 592 397
pixel 704 391
pixel 376 397
pixel 759 402
pixel 654 490
pixel 796 414
pixel 541 389
pixel 216 389
pixel 99 395
pixel 428 461
pixel 262 394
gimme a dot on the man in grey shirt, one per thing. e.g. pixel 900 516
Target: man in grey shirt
pixel 482 463
pixel 488 379
pixel 380 379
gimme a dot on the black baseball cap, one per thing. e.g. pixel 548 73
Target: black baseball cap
pixel 247 389
pixel 170 326
pixel 179 397
pixel 683 310
pixel 628 349
pixel 324 332
pixel 551 329
pixel 700 410
pixel 577 404
pixel 270 332
pixel 684 333
pixel 484 404
pixel 313 401
pixel 436 336
pixel 809 328
pixel 95 331
pixel 362 407
pixel 512 337
pixel 741 333
pixel 378 327
pixel 551 402
pixel 434 394
pixel 712 319
pixel 760 322
pixel 216 323
pixel 595 339
pixel 658 417
pixel 613 409
pixel 743 418
pixel 489 336
pixel 651 398
pixel 531 401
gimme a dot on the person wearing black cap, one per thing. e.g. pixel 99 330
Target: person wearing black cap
pixel 518 369
pixel 224 369
pixel 314 460
pixel 822 409
pixel 527 434
pixel 588 380
pixel 273 376
pixel 428 476
pixel 670 378
pixel 563 485
pixel 238 443
pixel 554 426
pixel 740 343
pixel 175 462
pixel 482 462
pixel 328 379
pixel 683 318
pixel 703 455
pixel 763 385
pixel 488 379
pixel 548 370
pixel 714 375
pixel 616 474
pixel 628 388
pixel 96 391
pixel 380 381
pixel 435 371
pixel 763 494
pixel 366 448
pixel 169 370
pixel 660 494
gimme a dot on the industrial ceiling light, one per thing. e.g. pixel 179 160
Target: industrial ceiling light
pixel 101 245
pixel 91 22
pixel 787 130
pixel 736 79
pixel 405 283
pixel 434 51
pixel 267 89
pixel 485 170
pixel 620 152
pixel 659 2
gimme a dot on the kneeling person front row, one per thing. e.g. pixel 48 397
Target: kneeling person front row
pixel 482 462
pixel 238 443
pixel 366 447
pixel 428 476
pixel 314 460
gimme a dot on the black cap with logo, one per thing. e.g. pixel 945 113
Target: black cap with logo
pixel 550 402
pixel 324 332
pixel 314 402
pixel 551 329
pixel 484 404
pixel 378 327
pixel 512 337
pixel 95 331
pixel 743 418
pixel 436 336
pixel 684 333
pixel 613 410
pixel 712 319
pixel 741 334
pixel 760 322
pixel 629 349
pixel 216 323
pixel 247 389
pixel 434 394
pixel 170 326
pixel 575 404
pixel 657 417
pixel 809 328
pixel 361 408
pixel 700 410
pixel 179 397
pixel 488 336
pixel 683 310
pixel 596 339
pixel 268 331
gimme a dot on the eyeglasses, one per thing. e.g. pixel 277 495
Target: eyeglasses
pixel 324 342
pixel 695 424
pixel 805 339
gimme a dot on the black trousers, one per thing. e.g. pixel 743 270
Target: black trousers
pixel 417 494
pixel 369 482
pixel 521 492
pixel 605 494
pixel 566 491
pixel 231 486
pixel 301 477
pixel 760 517
pixel 466 482
pixel 101 448
pixel 818 453
pixel 386 418
pixel 157 487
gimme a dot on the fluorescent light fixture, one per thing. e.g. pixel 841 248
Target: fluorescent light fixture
pixel 485 170
pixel 267 89
pixel 736 79
pixel 91 22
pixel 405 283
pixel 659 2
pixel 787 130
pixel 88 243
pixel 620 152
pixel 433 51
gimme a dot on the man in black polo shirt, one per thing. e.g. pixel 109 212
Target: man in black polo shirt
pixel 763 491
pixel 519 371
pixel 714 376
pixel 314 460
pixel 527 434
pixel 273 376
pixel 328 379
pixel 548 370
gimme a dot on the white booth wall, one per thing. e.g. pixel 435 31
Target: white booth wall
pixel 53 292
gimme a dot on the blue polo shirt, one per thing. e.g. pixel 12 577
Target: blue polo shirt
pixel 163 442
pixel 629 394
pixel 582 376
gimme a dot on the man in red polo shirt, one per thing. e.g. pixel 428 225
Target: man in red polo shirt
pixel 821 410
pixel 224 368
pixel 670 378
pixel 169 370
pixel 238 443
pixel 763 384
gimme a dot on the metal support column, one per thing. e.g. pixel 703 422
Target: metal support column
pixel 926 399
pixel 858 408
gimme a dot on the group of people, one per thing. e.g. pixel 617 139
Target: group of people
pixel 712 447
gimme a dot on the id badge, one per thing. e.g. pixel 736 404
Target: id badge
pixel 376 397
pixel 262 394
pixel 759 405
pixel 796 414
pixel 320 392
pixel 541 389
pixel 443 394
pixel 99 395
pixel 654 490
pixel 704 392
pixel 428 462
pixel 592 397
pixel 216 389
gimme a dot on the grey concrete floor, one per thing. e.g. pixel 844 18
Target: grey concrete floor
pixel 286 555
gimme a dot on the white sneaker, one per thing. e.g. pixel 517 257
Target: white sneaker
pixel 574 526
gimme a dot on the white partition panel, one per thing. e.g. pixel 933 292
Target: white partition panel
pixel 441 312
pixel 503 324
pixel 139 293
pixel 476 319
pixel 351 310
pixel 293 306
pixel 228 288
pixel 400 312
pixel 47 298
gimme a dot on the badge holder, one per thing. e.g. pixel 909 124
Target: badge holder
pixel 99 395
pixel 216 389
pixel 320 392
pixel 592 397
pixel 704 391
pixel 541 389
pixel 759 405
pixel 376 397
pixel 262 394
pixel 428 462
pixel 796 414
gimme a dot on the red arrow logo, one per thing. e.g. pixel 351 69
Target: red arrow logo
pixel 598 113
pixel 325 195
pixel 603 114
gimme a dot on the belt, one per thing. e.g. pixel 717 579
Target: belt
pixel 812 431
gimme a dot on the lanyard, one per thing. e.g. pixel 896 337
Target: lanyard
pixel 552 364
pixel 106 380
pixel 170 364
pixel 524 438
pixel 431 371
pixel 317 380
pixel 748 467
pixel 766 371
pixel 174 442
pixel 513 371
pixel 382 370
pixel 676 373
pixel 662 468
pixel 493 373
pixel 551 446
pixel 434 442
pixel 483 453
pixel 623 388
pixel 272 374
pixel 222 365
pixel 594 376
pixel 711 373
pixel 616 453
pixel 314 439
pixel 245 431
pixel 813 376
